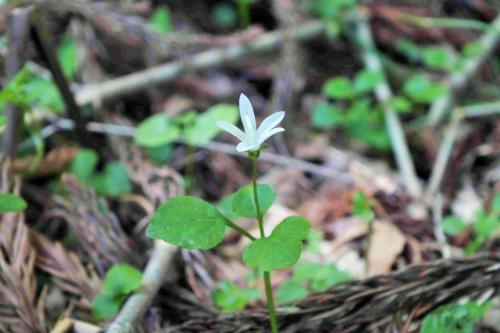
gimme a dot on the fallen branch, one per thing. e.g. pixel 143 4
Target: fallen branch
pixel 166 72
pixel 383 93
pixel 159 270
pixel 444 154
pixel 377 303
pixel 458 80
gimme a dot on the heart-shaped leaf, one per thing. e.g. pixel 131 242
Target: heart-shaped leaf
pixel 281 249
pixel 293 227
pixel 187 222
pixel 204 127
pixel 244 203
pixel 155 131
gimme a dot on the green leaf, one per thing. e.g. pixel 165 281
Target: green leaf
pixel 436 57
pixel 422 90
pixel 326 116
pixel 452 225
pixel 333 27
pixel 160 21
pixel 122 279
pixel 305 271
pixel 113 181
pixel 155 131
pixel 226 207
pixel 67 56
pixel 291 291
pixel 339 88
pixel 411 50
pixel 160 154
pixel 474 245
pixel 83 164
pixel 204 127
pixel 187 222
pixel 11 203
pixel 314 241
pixel 281 249
pixel 230 298
pixel 244 203
pixel 43 92
pixel 454 318
pixel 106 305
pixel 367 80
pixel 362 206
pixel 485 224
pixel 293 227
pixel 328 276
pixel 224 15
pixel 472 49
pixel 401 104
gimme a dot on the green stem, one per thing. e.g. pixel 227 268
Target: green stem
pixel 270 302
pixel 244 12
pixel 190 168
pixel 255 195
pixel 240 230
pixel 267 275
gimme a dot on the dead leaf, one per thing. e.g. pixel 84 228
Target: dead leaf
pixel 386 245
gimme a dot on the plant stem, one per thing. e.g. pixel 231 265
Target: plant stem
pixel 270 302
pixel 255 196
pixel 244 13
pixel 267 275
pixel 190 168
pixel 240 230
pixel 368 245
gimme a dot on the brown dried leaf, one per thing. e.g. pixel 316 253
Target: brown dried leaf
pixel 386 245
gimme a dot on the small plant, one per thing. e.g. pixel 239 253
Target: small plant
pixel 120 281
pixel 112 181
pixel 454 318
pixel 362 208
pixel 310 277
pixel 350 108
pixel 193 223
pixel 485 224
pixel 229 297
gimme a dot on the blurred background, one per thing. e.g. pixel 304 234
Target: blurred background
pixel 391 150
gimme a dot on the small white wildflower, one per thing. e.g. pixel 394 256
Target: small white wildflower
pixel 253 137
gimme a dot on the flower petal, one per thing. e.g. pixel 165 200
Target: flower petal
pixel 231 129
pixel 247 114
pixel 271 122
pixel 243 146
pixel 264 136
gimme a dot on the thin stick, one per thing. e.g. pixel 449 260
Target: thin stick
pixel 166 72
pixel 482 110
pixel 458 80
pixel 42 41
pixel 159 270
pixel 18 32
pixel 443 155
pixel 383 93
pixel 128 131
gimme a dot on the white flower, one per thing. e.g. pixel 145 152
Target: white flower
pixel 253 137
